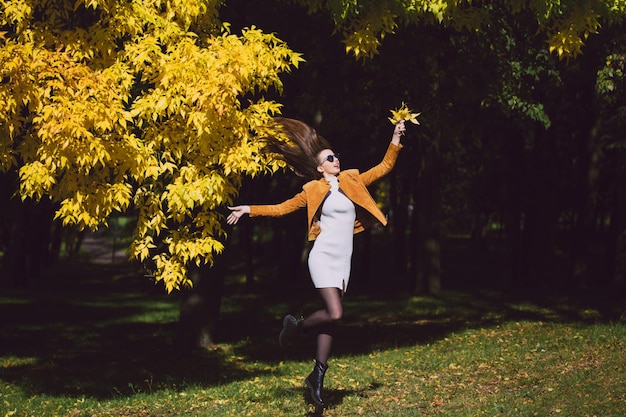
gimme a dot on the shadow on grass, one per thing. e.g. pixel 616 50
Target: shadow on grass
pixel 100 331
pixel 106 331
pixel 332 397
pixel 378 321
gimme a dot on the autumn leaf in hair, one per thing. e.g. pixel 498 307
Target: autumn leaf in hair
pixel 403 113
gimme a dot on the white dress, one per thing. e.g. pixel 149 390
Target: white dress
pixel 331 255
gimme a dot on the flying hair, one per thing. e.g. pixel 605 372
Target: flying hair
pixel 298 144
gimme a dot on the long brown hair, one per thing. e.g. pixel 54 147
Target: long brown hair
pixel 301 148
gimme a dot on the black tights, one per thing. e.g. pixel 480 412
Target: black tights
pixel 325 321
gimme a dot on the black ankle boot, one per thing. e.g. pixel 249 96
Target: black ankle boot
pixel 315 382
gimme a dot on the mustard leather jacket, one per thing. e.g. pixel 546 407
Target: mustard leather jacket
pixel 351 182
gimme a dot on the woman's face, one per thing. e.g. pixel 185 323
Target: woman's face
pixel 328 163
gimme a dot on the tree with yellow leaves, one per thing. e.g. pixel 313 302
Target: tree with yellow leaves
pixel 566 24
pixel 111 104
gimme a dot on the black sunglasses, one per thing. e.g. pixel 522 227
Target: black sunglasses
pixel 331 158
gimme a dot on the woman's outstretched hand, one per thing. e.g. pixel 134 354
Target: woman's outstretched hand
pixel 236 213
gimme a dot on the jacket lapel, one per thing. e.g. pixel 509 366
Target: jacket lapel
pixel 316 193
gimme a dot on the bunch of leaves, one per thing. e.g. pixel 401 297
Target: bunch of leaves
pixel 403 113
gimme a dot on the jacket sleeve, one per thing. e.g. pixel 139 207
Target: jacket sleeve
pixel 382 168
pixel 277 210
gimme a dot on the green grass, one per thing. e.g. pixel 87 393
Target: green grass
pixel 102 342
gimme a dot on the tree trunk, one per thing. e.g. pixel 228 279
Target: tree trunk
pixel 584 228
pixel 291 236
pixel 400 220
pixel 513 212
pixel 246 233
pixel 200 308
pixel 615 230
pixel 541 213
pixel 428 198
pixel 28 240
pixel 415 259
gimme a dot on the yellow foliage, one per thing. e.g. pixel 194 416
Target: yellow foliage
pixel 363 36
pixel 565 23
pixel 144 107
pixel 568 34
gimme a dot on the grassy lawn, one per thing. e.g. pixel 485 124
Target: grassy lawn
pixel 101 341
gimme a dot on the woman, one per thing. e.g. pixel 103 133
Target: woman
pixel 338 206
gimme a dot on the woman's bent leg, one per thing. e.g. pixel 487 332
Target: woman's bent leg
pixel 331 314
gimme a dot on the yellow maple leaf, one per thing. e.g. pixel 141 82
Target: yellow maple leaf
pixel 404 113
